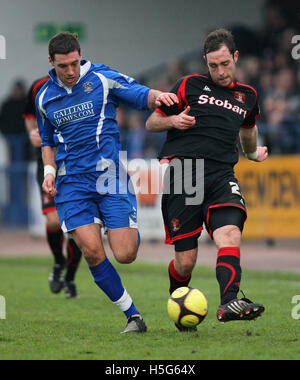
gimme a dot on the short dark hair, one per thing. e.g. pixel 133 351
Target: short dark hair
pixel 218 38
pixel 63 43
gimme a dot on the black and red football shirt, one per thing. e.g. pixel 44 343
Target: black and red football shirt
pixel 220 112
pixel 29 111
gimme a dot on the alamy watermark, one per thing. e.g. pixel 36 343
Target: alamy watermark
pixel 181 176
pixel 296 309
pixel 2 47
pixel 296 48
pixel 2 308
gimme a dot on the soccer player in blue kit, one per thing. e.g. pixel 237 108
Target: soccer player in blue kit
pixel 76 115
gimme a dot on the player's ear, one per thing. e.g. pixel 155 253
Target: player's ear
pixel 51 60
pixel 236 56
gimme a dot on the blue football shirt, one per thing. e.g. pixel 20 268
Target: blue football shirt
pixel 81 121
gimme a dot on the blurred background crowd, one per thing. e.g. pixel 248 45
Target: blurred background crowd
pixel 266 62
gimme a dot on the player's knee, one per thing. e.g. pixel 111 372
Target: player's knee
pixel 52 221
pixel 228 236
pixel 187 266
pixel 234 236
pixel 126 255
pixel 186 263
pixel 93 254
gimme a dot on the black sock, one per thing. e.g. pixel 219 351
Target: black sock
pixel 228 273
pixel 176 281
pixel 74 257
pixel 56 241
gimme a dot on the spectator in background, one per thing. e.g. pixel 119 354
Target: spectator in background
pixel 176 70
pixel 136 135
pixel 153 144
pixel 12 124
pixel 121 118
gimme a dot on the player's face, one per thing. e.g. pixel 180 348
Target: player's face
pixel 222 66
pixel 67 67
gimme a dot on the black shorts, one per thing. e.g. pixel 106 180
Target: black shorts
pixel 221 189
pixel 48 204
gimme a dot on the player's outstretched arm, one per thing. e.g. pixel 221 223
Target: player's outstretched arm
pixel 160 123
pixel 157 98
pixel 248 138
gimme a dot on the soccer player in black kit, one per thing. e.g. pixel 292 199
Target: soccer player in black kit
pixel 213 111
pixel 55 236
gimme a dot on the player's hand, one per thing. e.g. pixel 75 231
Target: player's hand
pixel 184 121
pixel 35 138
pixel 166 98
pixel 262 153
pixel 49 185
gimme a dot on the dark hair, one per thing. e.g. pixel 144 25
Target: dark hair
pixel 218 38
pixel 63 43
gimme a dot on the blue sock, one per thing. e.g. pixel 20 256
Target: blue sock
pixel 108 280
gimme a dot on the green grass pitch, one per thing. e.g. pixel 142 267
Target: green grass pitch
pixel 40 325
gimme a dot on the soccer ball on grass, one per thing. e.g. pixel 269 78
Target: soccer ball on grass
pixel 187 306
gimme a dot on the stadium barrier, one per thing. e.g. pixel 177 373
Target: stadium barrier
pixel 272 193
pixel 13 199
pixel 271 190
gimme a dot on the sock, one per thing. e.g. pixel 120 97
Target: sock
pixel 74 257
pixel 229 272
pixel 176 281
pixel 108 279
pixel 56 240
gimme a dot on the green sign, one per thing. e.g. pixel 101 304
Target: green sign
pixel 43 32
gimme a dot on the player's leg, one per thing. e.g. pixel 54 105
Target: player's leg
pixel 54 234
pixel 105 275
pixel 181 267
pixel 226 225
pixel 82 217
pixel 183 226
pixel 124 243
pixel 119 215
pixel 73 259
pixel 55 239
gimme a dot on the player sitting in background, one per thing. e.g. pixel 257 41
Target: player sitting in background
pixel 55 235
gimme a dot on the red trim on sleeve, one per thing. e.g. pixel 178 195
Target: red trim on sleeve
pixel 167 159
pixel 181 90
pixel 38 84
pixel 50 209
pixel 28 116
pixel 160 111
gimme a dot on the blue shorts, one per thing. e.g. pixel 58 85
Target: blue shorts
pixel 81 202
